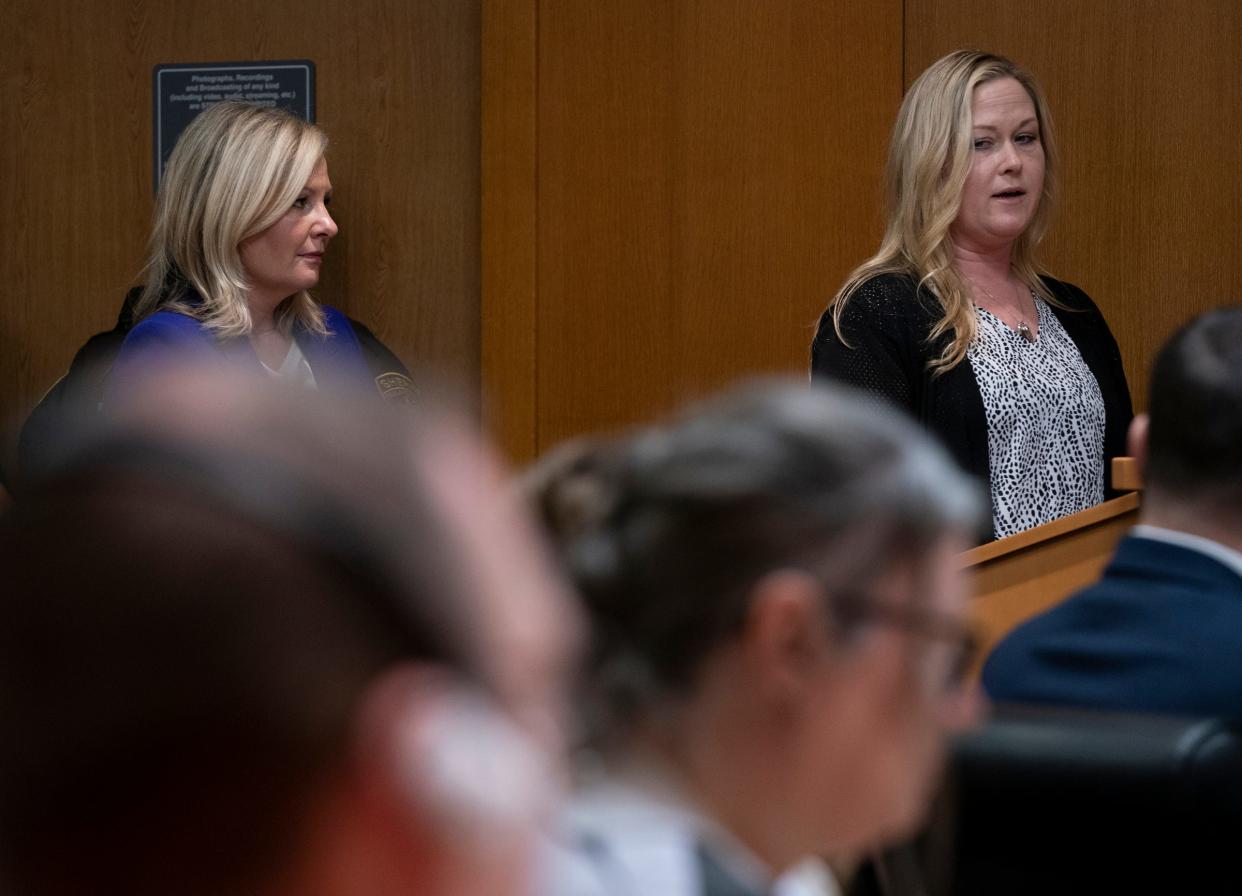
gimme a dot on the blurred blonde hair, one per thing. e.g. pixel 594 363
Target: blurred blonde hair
pixel 929 159
pixel 235 170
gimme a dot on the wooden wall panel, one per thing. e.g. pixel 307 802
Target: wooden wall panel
pixel 1145 99
pixel 607 325
pixel 708 172
pixel 398 92
pixel 509 222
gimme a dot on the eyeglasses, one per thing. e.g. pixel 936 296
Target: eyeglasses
pixel 856 607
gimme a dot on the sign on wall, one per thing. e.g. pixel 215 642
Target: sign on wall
pixel 182 90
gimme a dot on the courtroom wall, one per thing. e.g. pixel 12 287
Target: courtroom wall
pixel 604 209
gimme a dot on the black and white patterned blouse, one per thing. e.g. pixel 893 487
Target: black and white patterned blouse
pixel 1045 422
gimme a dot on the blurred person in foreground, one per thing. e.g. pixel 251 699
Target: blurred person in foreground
pixel 261 643
pixel 1162 629
pixel 954 320
pixel 777 641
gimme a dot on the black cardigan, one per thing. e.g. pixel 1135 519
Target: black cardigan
pixel 887 323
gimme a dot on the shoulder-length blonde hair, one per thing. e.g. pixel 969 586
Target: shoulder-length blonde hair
pixel 235 170
pixel 929 159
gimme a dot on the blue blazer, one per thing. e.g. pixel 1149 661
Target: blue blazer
pixel 1160 632
pixel 167 338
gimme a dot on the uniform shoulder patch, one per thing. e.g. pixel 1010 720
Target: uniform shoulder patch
pixel 396 387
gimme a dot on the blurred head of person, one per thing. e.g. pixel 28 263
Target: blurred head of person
pixel 972 161
pixel 249 649
pixel 241 221
pixel 776 611
pixel 1189 441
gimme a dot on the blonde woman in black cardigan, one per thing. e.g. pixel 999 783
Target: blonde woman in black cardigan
pixel 954 321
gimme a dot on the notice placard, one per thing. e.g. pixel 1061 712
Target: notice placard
pixel 182 90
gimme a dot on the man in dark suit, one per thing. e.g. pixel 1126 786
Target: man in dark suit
pixel 1162 630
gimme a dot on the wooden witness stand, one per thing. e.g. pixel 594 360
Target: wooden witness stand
pixel 1025 574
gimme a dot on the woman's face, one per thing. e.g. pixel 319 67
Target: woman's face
pixel 285 258
pixel 1006 179
pixel 929 706
pixel 897 711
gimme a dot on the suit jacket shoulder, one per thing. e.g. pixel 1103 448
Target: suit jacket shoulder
pixel 1160 632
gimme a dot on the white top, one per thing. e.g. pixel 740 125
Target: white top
pixel 1214 549
pixel 295 369
pixel 1045 419
pixel 642 839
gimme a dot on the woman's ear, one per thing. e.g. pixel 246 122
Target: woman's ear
pixel 1136 440
pixel 452 761
pixel 787 631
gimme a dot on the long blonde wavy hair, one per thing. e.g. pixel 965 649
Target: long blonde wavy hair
pixel 929 159
pixel 235 170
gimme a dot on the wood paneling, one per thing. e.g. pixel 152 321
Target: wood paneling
pixel 398 92
pixel 1145 98
pixel 673 188
pixel 509 221
pixel 707 172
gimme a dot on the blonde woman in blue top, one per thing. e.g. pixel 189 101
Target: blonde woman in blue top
pixel 242 225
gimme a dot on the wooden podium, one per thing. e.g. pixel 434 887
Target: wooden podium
pixel 1024 574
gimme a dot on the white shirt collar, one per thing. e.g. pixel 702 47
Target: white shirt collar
pixel 1197 543
pixel 645 794
pixel 652 825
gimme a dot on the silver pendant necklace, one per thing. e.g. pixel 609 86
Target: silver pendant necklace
pixel 1023 328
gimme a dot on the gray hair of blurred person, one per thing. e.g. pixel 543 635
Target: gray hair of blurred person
pixel 197 599
pixel 666 533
